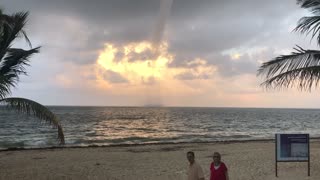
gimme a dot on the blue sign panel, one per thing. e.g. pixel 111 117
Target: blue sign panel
pixel 292 147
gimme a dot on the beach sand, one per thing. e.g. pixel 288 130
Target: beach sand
pixel 251 160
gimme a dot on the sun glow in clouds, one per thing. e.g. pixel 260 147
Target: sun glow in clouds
pixel 235 56
pixel 138 62
pixel 133 63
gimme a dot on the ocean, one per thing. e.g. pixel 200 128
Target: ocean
pixel 98 126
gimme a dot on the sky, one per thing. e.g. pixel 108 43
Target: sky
pixel 199 53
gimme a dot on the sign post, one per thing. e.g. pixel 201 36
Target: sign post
pixel 292 148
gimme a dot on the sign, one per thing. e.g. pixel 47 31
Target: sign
pixel 292 148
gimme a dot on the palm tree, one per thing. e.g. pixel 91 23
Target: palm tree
pixel 302 67
pixel 12 64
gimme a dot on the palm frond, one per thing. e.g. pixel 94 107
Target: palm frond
pixel 312 5
pixel 33 108
pixel 309 24
pixel 26 38
pixel 5 19
pixel 303 78
pixel 12 66
pixel 12 28
pixel 6 82
pixel 309 4
pixel 301 68
pixel 19 20
pixel 16 59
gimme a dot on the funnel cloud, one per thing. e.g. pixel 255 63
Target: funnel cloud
pixel 164 13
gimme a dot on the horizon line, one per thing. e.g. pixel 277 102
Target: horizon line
pixel 165 106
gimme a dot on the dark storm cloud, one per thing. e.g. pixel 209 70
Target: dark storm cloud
pixel 228 67
pixel 220 26
pixel 196 28
pixel 104 21
pixel 95 10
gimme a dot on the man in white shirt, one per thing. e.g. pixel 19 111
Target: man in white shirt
pixel 194 171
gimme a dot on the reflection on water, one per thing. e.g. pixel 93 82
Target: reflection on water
pixel 122 128
pixel 133 125
pixel 154 124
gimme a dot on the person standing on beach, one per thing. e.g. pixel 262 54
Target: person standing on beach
pixel 194 171
pixel 218 169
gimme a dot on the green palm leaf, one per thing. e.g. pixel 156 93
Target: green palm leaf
pixel 30 107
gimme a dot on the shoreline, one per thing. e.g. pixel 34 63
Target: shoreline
pixel 136 145
pixel 147 144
